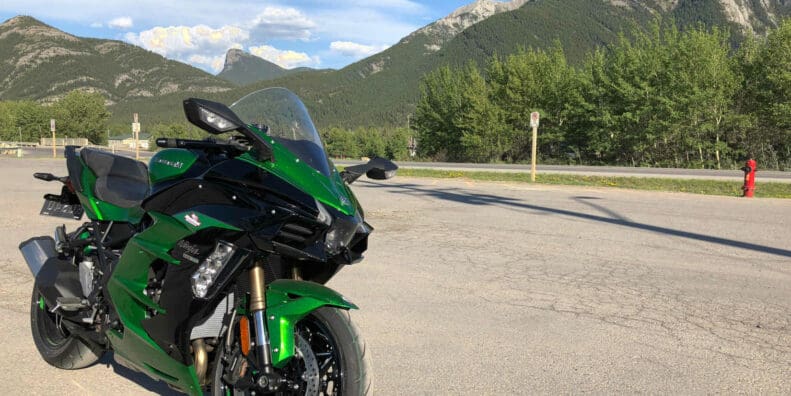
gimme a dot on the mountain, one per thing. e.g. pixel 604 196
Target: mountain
pixel 382 89
pixel 379 90
pixel 242 68
pixel 42 63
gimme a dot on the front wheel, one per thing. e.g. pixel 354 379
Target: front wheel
pixel 54 343
pixel 331 358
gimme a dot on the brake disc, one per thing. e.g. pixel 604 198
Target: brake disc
pixel 311 373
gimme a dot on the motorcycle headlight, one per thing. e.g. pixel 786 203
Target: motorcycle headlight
pixel 324 216
pixel 210 268
pixel 341 233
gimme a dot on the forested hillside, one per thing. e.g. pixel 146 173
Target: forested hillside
pixel 382 90
pixel 42 63
pixel 664 97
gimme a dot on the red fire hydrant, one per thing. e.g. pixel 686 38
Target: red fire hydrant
pixel 749 178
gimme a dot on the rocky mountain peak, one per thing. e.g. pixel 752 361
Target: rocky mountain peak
pixel 448 27
pixel 233 57
pixel 32 27
pixel 750 16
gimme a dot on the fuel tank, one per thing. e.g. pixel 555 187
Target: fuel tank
pixel 170 164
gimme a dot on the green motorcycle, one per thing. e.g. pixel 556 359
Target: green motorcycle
pixel 206 268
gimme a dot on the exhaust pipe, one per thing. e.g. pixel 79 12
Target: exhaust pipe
pixel 57 280
pixel 37 251
pixel 201 358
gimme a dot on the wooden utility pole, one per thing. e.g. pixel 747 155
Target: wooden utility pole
pixel 534 120
pixel 52 128
pixel 136 132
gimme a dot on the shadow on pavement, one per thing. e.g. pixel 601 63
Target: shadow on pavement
pixel 146 382
pixel 469 198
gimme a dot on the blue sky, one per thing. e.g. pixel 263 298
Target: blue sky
pixel 313 33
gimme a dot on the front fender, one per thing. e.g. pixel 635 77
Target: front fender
pixel 288 301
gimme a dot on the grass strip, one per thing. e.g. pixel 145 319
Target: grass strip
pixel 694 186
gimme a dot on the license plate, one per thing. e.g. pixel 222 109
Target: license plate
pixel 58 209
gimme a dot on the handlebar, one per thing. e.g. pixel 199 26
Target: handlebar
pixel 200 144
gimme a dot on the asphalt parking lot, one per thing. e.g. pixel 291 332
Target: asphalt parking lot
pixel 503 288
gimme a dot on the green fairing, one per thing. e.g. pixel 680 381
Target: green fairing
pixel 169 164
pixel 284 311
pixel 330 191
pixel 126 288
pixel 96 209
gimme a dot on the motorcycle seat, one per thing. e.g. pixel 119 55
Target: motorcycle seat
pixel 120 181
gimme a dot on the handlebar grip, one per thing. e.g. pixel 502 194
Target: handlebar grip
pixel 167 143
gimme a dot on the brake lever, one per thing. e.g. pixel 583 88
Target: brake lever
pixel 239 146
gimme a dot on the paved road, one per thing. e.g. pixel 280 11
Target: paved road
pixel 768 176
pixel 773 176
pixel 496 288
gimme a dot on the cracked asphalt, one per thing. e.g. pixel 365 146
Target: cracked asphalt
pixel 500 288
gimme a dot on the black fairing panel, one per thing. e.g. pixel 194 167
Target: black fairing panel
pixel 263 184
pixel 201 165
pixel 237 193
pixel 171 330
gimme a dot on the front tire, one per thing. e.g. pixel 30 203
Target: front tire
pixel 326 338
pixel 55 345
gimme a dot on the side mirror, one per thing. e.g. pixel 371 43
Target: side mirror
pixel 217 118
pixel 211 116
pixel 382 169
pixel 377 169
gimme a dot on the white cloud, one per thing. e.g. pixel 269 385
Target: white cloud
pixel 186 40
pixel 121 23
pixel 355 50
pixel 285 58
pixel 282 23
pixel 215 63
pixel 199 45
pixel 97 25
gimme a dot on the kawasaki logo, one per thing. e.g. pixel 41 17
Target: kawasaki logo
pixel 193 219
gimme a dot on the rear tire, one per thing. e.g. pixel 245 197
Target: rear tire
pixel 56 346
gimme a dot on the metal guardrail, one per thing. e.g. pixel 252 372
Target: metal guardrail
pixel 18 144
pixel 9 150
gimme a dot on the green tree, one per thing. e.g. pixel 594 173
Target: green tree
pixel 772 76
pixel 341 143
pixel 439 105
pixel 396 142
pixel 81 114
pixel 7 121
pixel 33 120
pixel 482 136
pixel 535 80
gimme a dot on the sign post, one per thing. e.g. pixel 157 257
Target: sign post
pixel 412 146
pixel 136 132
pixel 52 128
pixel 534 120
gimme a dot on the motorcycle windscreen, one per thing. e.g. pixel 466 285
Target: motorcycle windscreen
pixel 284 118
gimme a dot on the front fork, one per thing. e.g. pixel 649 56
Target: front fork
pixel 258 310
pixel 290 300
